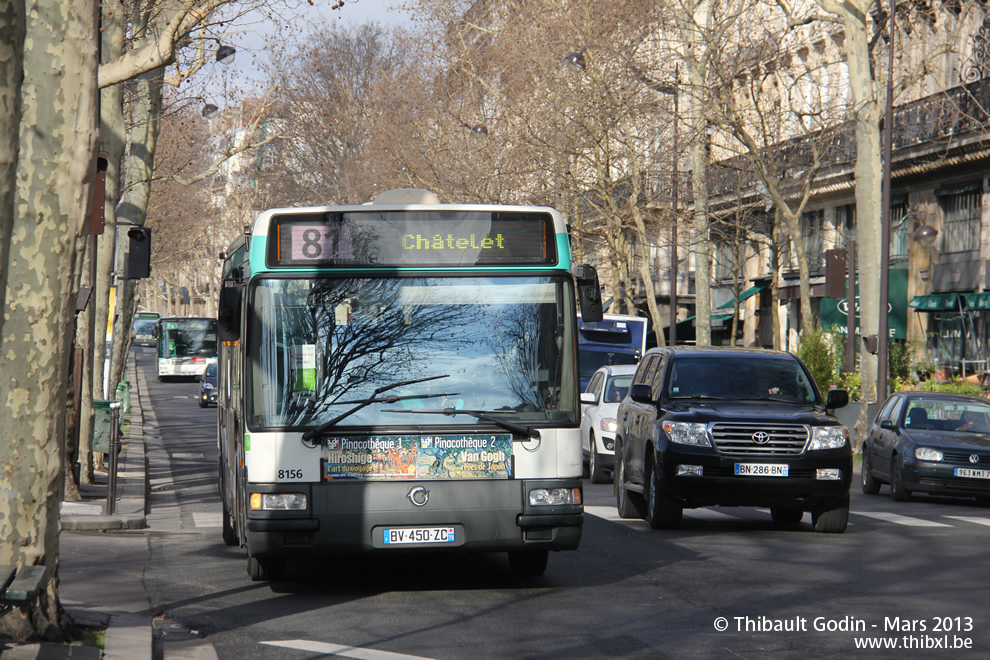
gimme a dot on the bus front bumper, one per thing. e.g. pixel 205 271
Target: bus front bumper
pixel 475 516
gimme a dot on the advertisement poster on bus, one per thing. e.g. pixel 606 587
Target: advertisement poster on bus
pixel 400 457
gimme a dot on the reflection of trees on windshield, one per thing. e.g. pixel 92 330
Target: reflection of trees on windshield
pixel 365 337
pixel 318 343
pixel 524 347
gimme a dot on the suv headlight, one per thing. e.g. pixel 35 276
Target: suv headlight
pixel 684 433
pixel 828 437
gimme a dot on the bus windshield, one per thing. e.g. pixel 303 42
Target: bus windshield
pixel 498 345
pixel 188 338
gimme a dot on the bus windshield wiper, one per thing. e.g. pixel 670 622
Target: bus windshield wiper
pixel 483 415
pixel 374 398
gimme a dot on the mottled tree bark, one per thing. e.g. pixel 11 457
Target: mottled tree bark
pixel 55 169
pixel 11 75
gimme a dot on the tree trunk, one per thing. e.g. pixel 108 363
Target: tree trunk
pixel 55 170
pixel 11 75
pixel 699 184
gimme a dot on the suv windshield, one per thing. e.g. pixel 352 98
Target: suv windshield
pixel 770 379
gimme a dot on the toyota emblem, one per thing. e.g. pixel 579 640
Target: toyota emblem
pixel 761 437
pixel 974 458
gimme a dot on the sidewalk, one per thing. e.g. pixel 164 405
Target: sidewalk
pixel 101 562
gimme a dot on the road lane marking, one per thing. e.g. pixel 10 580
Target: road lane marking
pixel 610 513
pixel 207 519
pixel 604 512
pixel 975 521
pixel 900 520
pixel 341 651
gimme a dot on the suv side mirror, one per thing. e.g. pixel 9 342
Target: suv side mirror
pixel 641 393
pixel 836 399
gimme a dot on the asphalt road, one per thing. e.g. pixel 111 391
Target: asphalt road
pixel 729 584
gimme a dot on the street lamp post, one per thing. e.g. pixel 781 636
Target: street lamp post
pixel 673 229
pixel 672 90
pixel 883 334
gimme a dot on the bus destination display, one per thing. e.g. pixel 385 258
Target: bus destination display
pixel 412 239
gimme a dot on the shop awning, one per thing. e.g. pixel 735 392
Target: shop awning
pixel 977 300
pixel 747 294
pixel 935 302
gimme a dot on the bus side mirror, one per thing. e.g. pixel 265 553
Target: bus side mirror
pixel 229 314
pixel 589 293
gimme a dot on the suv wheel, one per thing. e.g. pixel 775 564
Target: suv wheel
pixel 624 503
pixel 871 485
pixel 831 518
pixel 662 510
pixel 785 515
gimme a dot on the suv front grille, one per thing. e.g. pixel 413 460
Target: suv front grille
pixel 738 439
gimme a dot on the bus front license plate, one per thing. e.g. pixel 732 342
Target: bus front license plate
pixel 761 469
pixel 413 535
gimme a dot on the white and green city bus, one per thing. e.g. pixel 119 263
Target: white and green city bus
pixel 186 345
pixel 402 375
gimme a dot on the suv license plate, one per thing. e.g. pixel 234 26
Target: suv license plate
pixel 409 535
pixel 972 474
pixel 761 470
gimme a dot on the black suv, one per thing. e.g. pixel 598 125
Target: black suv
pixel 731 427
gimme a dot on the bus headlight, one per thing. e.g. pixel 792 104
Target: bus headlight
pixel 278 502
pixel 554 496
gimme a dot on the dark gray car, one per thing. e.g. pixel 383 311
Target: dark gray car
pixel 931 442
pixel 208 386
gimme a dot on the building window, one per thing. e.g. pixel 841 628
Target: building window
pixel 845 225
pixel 898 229
pixel 961 214
pixel 813 228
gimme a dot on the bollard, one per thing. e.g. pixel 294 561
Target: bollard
pixel 112 458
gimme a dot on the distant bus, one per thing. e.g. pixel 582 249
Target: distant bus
pixel 185 346
pixel 144 328
pixel 402 376
pixel 615 339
